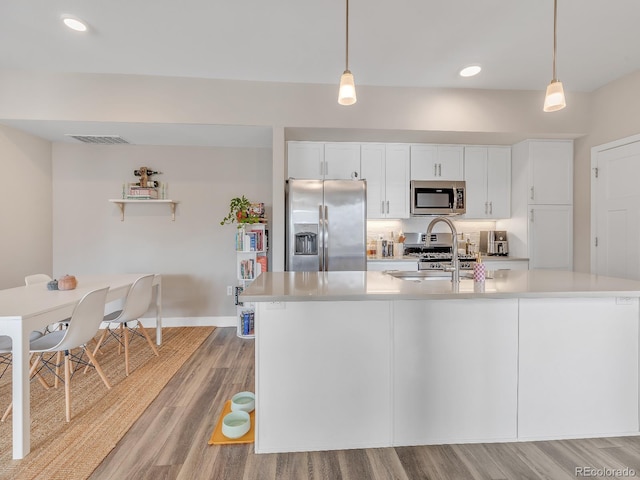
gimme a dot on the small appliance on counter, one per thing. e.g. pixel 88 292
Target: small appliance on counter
pixel 494 242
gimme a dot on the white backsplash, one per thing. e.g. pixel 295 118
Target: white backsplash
pixel 466 228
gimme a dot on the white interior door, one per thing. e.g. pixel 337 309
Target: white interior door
pixel 618 212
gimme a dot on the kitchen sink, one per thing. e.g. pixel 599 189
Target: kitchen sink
pixel 425 275
pixel 420 275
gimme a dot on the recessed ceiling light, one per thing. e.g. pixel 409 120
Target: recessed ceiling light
pixel 470 71
pixel 74 23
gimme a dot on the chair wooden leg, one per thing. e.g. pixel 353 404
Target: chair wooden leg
pixel 57 375
pixel 41 379
pixel 120 342
pixel 98 345
pixel 7 412
pixel 67 386
pixel 93 360
pixel 126 350
pixel 149 341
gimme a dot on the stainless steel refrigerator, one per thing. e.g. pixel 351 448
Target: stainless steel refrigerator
pixel 326 225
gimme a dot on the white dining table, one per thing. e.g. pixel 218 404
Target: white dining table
pixel 28 308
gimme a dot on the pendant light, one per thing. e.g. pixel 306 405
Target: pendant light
pixel 347 92
pixel 554 99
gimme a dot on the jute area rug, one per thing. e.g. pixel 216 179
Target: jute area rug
pixel 100 417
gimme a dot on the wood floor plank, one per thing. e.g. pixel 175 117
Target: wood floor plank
pixel 169 441
pixel 324 465
pixel 479 462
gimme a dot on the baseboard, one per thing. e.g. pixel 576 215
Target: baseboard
pixel 150 322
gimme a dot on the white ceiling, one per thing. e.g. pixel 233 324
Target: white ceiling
pixel 392 43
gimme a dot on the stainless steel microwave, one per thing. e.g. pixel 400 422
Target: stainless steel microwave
pixel 438 197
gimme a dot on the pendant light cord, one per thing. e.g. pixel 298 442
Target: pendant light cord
pixel 347 40
pixel 555 22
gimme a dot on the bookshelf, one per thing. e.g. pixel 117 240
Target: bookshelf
pixel 251 261
pixel 122 202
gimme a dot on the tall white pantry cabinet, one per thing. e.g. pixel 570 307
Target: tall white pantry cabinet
pixel 541 223
pixel 251 261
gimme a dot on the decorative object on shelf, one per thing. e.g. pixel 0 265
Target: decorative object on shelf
pixel 67 282
pixel 347 92
pixel 52 285
pixel 554 99
pixel 145 189
pixel 241 210
pixel 144 173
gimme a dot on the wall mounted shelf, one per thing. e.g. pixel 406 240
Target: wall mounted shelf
pixel 121 202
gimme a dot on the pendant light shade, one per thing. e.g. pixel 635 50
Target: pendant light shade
pixel 347 92
pixel 554 99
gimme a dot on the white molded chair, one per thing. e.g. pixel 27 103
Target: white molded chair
pixel 135 305
pixel 36 278
pixel 83 326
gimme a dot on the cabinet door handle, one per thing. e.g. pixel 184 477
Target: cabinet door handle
pixel 387 206
pixel 439 169
pixel 531 193
pixel 486 207
pixel 382 207
pixel 531 215
pixel 322 168
pixel 490 208
pixel 435 169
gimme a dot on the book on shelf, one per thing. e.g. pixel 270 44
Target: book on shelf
pixel 251 241
pixel 248 321
pixel 142 193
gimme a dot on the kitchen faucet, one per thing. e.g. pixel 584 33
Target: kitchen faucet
pixel 455 265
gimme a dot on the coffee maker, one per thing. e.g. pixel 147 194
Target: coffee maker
pixel 494 242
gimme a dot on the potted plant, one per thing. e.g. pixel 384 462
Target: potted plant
pixel 239 212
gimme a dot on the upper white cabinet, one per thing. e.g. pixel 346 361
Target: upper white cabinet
pixel 541 224
pixel 385 167
pixel 341 161
pixel 305 159
pixel 487 172
pixel 319 160
pixel 437 162
pixel 550 172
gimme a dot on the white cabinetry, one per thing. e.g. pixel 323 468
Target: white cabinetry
pixel 437 162
pixel 487 172
pixel 318 160
pixel 385 167
pixel 578 368
pixel 541 224
pixel 463 367
pixel 251 261
pixel 305 159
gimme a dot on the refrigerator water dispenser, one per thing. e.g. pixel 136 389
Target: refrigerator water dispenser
pixel 306 239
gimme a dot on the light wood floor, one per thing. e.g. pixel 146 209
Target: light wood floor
pixel 169 441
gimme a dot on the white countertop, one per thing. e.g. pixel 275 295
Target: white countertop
pixel 357 286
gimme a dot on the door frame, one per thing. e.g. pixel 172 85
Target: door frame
pixel 595 151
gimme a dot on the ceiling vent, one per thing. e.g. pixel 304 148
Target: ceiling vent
pixel 99 139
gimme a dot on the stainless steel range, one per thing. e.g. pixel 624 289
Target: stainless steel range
pixel 435 253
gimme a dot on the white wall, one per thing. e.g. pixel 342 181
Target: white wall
pixel 194 254
pixel 614 114
pixel 25 207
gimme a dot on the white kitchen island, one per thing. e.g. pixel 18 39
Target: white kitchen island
pixel 363 359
